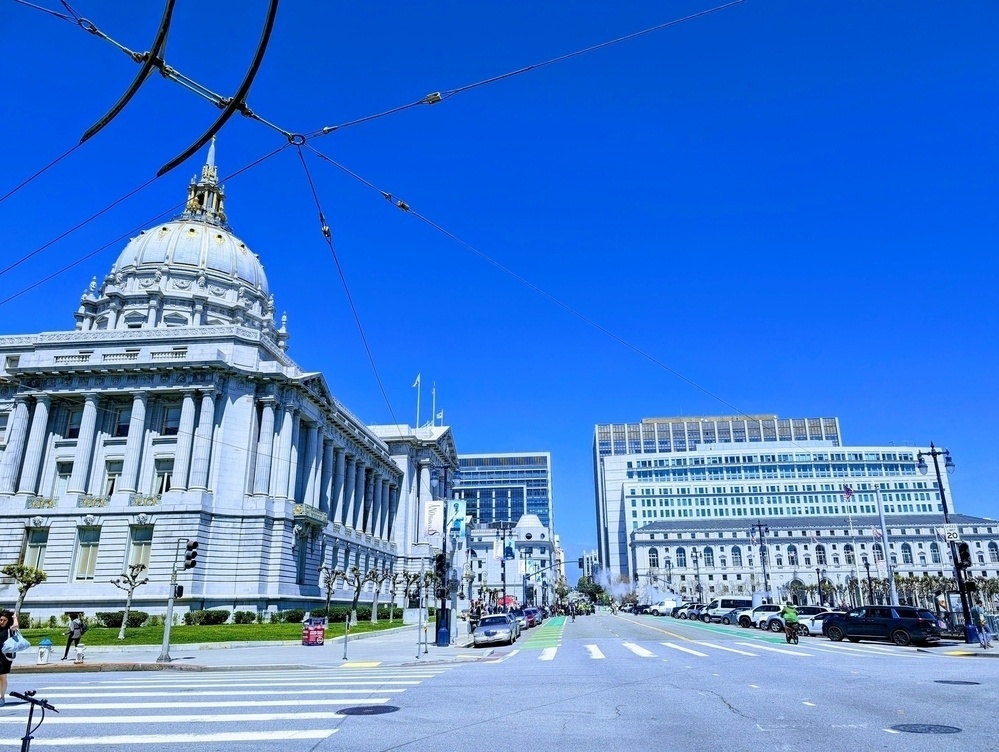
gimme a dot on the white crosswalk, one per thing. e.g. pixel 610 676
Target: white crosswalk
pixel 708 649
pixel 279 706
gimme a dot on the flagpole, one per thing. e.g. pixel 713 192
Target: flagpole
pixel 419 388
pixel 892 591
pixel 856 558
pixel 433 404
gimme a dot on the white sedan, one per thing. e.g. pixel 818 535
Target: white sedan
pixel 494 628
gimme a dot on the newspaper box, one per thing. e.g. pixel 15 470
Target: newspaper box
pixel 313 631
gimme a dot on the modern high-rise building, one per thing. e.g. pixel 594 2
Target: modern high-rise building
pixel 505 487
pixel 735 471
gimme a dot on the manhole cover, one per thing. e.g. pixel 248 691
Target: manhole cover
pixel 954 681
pixel 368 710
pixel 926 728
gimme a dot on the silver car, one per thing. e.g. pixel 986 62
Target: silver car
pixel 493 629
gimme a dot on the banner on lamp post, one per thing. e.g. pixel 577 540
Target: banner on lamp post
pixel 434 523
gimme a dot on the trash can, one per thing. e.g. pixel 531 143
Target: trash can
pixel 44 650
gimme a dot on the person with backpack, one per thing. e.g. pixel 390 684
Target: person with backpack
pixel 77 628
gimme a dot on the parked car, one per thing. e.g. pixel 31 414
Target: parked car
pixel 642 608
pixel 776 622
pixel 685 612
pixel 494 629
pixel 519 616
pixel 815 625
pixel 902 625
pixel 662 608
pixel 675 612
pixel 694 612
pixel 756 616
pixel 718 607
pixel 732 617
pixel 533 616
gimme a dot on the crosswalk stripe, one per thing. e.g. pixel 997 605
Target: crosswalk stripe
pixel 683 649
pixel 548 654
pixel 639 650
pixel 776 650
pixel 232 693
pixel 215 718
pixel 860 651
pixel 227 703
pixel 594 651
pixel 730 650
pixel 192 739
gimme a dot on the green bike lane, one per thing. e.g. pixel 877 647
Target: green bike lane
pixel 548 635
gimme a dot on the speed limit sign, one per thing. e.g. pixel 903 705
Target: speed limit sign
pixel 951 535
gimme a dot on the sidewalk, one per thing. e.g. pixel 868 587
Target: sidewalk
pixel 391 647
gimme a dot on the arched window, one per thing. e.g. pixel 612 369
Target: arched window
pixel 653 558
pixel 935 553
pixel 993 553
pixel 779 560
pixel 709 556
pixel 820 554
pixel 722 561
pixel 792 555
pixel 681 557
pixel 737 556
pixel 922 559
pixel 906 553
pixel 849 554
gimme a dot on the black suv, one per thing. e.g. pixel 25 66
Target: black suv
pixel 900 624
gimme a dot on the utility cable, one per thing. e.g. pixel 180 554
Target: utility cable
pixel 40 172
pixel 328 237
pixel 405 207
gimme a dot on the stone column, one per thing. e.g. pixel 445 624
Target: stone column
pixel 282 465
pixel 326 479
pixel 386 507
pixel 203 443
pixel 296 437
pixel 311 458
pixel 265 449
pixel 358 503
pixel 79 480
pixel 393 510
pixel 336 493
pixel 17 433
pixel 347 510
pixel 36 445
pixel 133 445
pixel 185 440
pixel 376 504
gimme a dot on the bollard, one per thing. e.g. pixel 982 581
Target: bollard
pixel 79 654
pixel 44 650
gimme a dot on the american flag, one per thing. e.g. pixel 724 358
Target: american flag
pixel 877 534
pixel 752 538
pixel 847 492
pixel 814 539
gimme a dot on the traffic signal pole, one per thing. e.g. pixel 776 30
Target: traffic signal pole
pixel 190 562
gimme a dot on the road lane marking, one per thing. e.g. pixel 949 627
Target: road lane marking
pixel 776 650
pixel 685 650
pixel 216 718
pixel 548 654
pixel 809 704
pixel 731 650
pixel 594 651
pixel 639 650
pixel 172 692
pixel 194 740
pixel 658 629
pixel 361 664
pixel 228 703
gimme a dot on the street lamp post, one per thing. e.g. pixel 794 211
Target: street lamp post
pixel 763 529
pixel 502 529
pixel 819 576
pixel 870 582
pixel 958 573
pixel 696 556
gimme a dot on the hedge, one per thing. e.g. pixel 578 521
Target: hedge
pixel 244 617
pixel 204 618
pixel 113 619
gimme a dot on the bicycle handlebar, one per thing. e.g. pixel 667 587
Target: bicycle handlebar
pixel 29 696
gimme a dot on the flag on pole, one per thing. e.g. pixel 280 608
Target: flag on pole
pixel 752 537
pixel 814 539
pixel 440 416
pixel 877 534
pixel 847 492
pixel 417 382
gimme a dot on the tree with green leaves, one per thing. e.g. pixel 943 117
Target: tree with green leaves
pixel 589 588
pixel 128 582
pixel 25 577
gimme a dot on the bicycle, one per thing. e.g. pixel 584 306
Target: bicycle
pixel 29 697
pixel 791 633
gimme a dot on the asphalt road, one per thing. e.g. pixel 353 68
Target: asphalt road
pixel 600 683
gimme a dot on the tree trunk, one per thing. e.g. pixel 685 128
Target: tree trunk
pixel 20 601
pixel 374 605
pixel 124 619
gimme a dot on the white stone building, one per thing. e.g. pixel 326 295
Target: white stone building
pixel 173 412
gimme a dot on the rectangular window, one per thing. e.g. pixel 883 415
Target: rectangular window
pixel 171 420
pixel 63 472
pixel 34 547
pixel 73 421
pixel 122 417
pixel 86 552
pixel 141 542
pixel 112 477
pixel 164 474
pixel 3 427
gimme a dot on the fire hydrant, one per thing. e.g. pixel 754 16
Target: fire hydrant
pixel 79 654
pixel 44 650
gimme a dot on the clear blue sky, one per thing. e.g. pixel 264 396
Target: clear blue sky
pixel 792 204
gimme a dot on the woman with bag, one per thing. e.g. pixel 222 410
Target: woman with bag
pixel 74 634
pixel 8 624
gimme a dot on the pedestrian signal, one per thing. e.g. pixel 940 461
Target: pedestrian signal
pixel 440 567
pixel 178 591
pixel 964 555
pixel 191 557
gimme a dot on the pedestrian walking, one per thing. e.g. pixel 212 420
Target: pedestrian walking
pixel 8 622
pixel 74 634
pixel 981 624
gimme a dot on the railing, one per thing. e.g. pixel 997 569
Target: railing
pixel 39 502
pixel 93 501
pixel 168 355
pixel 144 500
pixel 64 359
pixel 120 357
pixel 311 514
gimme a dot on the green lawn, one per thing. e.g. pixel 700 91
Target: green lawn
pixel 185 635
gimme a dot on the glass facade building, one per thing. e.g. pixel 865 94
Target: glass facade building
pixel 505 487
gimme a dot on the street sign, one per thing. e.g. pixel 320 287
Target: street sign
pixel 951 535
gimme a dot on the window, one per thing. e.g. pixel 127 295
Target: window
pixel 879 553
pixel 164 474
pixel 140 544
pixel 848 552
pixel 820 554
pixel 681 557
pixel 121 418
pixel 935 552
pixel 792 555
pixel 736 556
pixel 86 552
pixel 64 470
pixel 73 421
pixel 34 547
pixel 171 420
pixel 709 556
pixel 653 558
pixel 112 476
pixel 3 427
pixel 993 553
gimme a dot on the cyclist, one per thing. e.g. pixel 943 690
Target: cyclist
pixel 790 616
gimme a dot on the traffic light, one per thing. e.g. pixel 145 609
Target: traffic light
pixel 178 591
pixel 440 567
pixel 191 557
pixel 964 555
pixel 580 560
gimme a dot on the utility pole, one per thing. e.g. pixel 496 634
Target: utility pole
pixel 763 529
pixel 176 591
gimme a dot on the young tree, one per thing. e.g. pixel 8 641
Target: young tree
pixel 329 577
pixel 377 577
pixel 355 579
pixel 128 582
pixel 26 578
